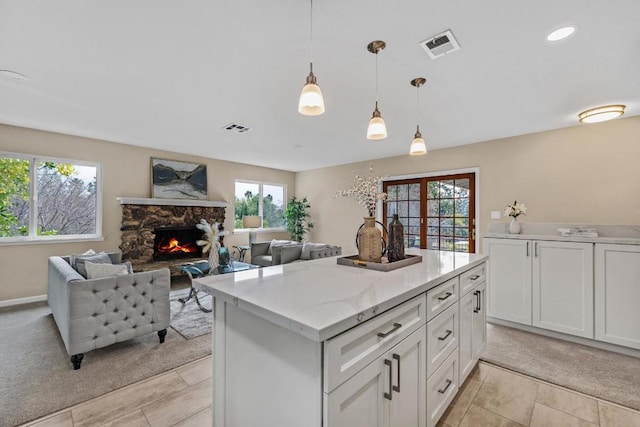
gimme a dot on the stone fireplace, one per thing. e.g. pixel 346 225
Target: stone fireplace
pixel 149 225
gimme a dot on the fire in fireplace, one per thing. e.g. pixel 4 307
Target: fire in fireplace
pixel 176 243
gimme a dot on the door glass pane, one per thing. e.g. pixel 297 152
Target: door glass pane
pixel 414 209
pixel 462 207
pixel 414 192
pixel 446 222
pixel 403 192
pixel 433 243
pixel 462 188
pixel 433 189
pixel 432 208
pixel 403 209
pixel 446 207
pixel 392 208
pixel 392 191
pixel 446 189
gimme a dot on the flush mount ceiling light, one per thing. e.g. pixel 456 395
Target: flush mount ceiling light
pixel 311 101
pixel 601 114
pixel 418 147
pixel 13 75
pixel 377 128
pixel 561 33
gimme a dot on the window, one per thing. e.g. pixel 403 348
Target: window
pixel 437 212
pixel 43 198
pixel 264 199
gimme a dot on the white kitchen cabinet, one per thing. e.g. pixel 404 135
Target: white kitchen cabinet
pixel 473 329
pixel 617 293
pixel 563 287
pixel 390 391
pixel 509 279
pixel 547 284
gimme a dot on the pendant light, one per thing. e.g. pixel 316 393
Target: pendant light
pixel 418 147
pixel 377 129
pixel 311 101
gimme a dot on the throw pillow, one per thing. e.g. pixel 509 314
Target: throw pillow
pixel 308 247
pixel 74 257
pixel 100 271
pixel 80 260
pixel 275 243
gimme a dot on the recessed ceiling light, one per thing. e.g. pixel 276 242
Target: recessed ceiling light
pixel 601 114
pixel 561 33
pixel 12 75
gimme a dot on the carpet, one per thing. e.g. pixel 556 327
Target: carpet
pixel 603 374
pixel 37 378
pixel 187 319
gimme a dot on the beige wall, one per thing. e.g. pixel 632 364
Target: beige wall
pixel 582 174
pixel 126 172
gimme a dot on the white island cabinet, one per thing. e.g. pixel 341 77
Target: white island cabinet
pixel 321 344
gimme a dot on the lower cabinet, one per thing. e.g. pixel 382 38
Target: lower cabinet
pixel 442 388
pixel 617 294
pixel 391 391
pixel 473 329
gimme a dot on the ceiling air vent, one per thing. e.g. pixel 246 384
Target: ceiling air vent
pixel 235 127
pixel 440 44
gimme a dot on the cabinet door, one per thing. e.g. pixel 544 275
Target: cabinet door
pixel 563 287
pixel 509 279
pixel 465 356
pixel 617 294
pixel 389 392
pixel 408 406
pixel 479 322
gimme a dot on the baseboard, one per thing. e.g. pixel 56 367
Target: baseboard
pixel 559 335
pixel 21 301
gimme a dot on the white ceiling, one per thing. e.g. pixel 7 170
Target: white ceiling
pixel 170 74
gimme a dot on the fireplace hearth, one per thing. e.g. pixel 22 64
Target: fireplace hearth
pixel 176 243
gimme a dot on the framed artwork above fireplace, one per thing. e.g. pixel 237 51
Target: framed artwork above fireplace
pixel 173 179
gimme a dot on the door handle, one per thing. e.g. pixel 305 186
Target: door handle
pixel 444 390
pixel 445 336
pixel 397 388
pixel 396 326
pixel 390 365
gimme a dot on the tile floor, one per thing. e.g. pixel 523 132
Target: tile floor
pixel 491 396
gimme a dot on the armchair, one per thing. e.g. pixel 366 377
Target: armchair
pixel 95 313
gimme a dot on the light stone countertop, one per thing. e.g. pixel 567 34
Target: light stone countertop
pixel 320 299
pixel 557 238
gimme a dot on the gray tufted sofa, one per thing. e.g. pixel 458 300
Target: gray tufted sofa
pixel 96 313
pixel 287 253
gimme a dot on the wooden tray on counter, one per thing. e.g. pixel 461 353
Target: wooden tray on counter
pixel 353 261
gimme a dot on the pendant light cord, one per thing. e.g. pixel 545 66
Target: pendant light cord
pixel 418 104
pixel 311 32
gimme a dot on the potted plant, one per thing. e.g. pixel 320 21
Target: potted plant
pixel 296 218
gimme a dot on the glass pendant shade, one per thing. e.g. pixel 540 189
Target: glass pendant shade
pixel 311 99
pixel 377 128
pixel 418 147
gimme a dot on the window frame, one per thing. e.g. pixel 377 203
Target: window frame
pixel 260 184
pixel 33 237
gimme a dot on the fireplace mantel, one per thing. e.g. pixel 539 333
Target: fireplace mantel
pixel 171 202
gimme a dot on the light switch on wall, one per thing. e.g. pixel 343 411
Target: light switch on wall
pixel 495 214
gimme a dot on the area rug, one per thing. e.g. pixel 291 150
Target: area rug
pixel 603 374
pixel 36 376
pixel 187 318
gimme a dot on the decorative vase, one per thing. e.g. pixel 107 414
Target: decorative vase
pixel 395 248
pixel 514 227
pixel 370 241
pixel 224 257
pixel 214 256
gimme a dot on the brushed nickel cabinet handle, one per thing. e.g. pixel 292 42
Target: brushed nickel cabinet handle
pixel 396 326
pixel 390 365
pixel 474 277
pixel 397 388
pixel 445 336
pixel 447 295
pixel 444 390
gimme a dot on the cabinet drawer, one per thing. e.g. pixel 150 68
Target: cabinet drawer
pixel 349 352
pixel 470 278
pixel 442 338
pixel 441 297
pixel 441 389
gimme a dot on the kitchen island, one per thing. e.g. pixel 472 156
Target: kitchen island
pixel 322 344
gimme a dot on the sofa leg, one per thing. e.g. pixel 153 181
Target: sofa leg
pixel 76 359
pixel 162 334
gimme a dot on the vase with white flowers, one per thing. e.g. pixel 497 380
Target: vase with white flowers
pixel 365 191
pixel 211 241
pixel 514 211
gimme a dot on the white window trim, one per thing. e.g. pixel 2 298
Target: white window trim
pixel 33 203
pixel 260 183
pixel 475 171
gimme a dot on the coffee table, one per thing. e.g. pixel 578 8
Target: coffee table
pixel 202 268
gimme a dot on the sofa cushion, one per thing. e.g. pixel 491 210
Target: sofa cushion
pixel 78 261
pixel 307 247
pixel 275 243
pixel 101 270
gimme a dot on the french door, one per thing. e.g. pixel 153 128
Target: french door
pixel 437 212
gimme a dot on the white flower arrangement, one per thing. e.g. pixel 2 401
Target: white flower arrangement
pixel 365 191
pixel 211 236
pixel 515 210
